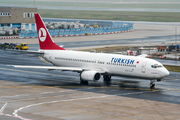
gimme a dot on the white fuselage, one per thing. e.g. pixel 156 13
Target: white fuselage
pixel 115 65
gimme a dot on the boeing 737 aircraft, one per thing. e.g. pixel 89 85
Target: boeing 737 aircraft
pixel 92 66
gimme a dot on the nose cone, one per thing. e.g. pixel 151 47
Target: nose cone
pixel 164 72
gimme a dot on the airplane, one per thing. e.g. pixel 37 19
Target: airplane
pixel 2 109
pixel 92 66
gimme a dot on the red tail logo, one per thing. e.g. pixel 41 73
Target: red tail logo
pixel 45 40
pixel 42 34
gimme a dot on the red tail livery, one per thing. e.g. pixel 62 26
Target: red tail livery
pixel 45 40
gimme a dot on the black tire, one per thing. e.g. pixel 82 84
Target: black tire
pixel 152 85
pixel 107 77
pixel 84 82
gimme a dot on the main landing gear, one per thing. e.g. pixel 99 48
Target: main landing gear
pixel 107 77
pixel 84 82
pixel 152 85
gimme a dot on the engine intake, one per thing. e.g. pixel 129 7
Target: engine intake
pixel 90 75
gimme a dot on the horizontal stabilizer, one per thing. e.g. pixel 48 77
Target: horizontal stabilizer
pixel 25 51
pixel 143 55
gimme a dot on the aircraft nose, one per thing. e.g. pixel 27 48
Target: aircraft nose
pixel 165 73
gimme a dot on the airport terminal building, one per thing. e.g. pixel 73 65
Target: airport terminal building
pixel 17 17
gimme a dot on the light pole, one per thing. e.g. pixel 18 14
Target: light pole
pixel 34 3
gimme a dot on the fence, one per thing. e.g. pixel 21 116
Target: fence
pixel 79 31
pixel 105 27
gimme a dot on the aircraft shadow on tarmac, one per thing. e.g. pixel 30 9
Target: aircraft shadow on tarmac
pixel 65 83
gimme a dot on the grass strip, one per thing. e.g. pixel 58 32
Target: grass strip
pixel 112 15
pixel 172 68
pixel 97 4
pixel 108 49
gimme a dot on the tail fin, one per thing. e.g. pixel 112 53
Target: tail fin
pixel 45 40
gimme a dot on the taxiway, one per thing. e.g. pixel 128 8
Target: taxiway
pixel 41 94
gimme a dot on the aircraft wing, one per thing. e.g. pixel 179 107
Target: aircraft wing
pixel 74 69
pixel 25 51
pixel 29 51
pixel 2 109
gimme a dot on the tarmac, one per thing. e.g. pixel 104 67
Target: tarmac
pixel 54 95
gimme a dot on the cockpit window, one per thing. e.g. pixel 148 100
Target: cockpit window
pixel 153 66
pixel 159 66
pixel 156 66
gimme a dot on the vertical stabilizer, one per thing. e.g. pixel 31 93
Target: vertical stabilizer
pixel 45 40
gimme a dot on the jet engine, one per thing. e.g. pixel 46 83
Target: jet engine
pixel 90 75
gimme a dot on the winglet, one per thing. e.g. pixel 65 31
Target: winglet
pixel 45 40
pixel 2 109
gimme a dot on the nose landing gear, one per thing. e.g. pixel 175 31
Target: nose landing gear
pixel 152 85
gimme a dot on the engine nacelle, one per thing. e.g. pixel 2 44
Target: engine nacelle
pixel 90 75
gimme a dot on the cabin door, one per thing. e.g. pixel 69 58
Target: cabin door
pixel 143 67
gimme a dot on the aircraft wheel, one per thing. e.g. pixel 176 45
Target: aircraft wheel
pixel 107 77
pixel 152 85
pixel 84 82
